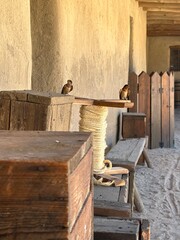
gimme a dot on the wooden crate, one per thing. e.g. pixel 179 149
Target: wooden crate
pixel 133 125
pixel 46 185
pixel 30 110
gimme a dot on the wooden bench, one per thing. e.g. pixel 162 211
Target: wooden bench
pixel 126 153
pixel 117 228
pixel 112 201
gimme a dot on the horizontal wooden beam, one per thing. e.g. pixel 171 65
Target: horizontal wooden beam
pixel 162 16
pixel 152 33
pixel 159 5
pixel 163 21
pixel 177 10
pixel 159 1
pixel 163 30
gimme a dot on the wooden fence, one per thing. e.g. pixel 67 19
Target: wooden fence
pixel 154 95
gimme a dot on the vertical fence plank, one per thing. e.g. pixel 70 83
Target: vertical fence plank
pixel 144 98
pixel 154 96
pixel 165 109
pixel 133 82
pixel 155 110
pixel 171 123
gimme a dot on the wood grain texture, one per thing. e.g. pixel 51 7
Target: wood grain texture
pixel 165 110
pixel 31 110
pixel 115 229
pixel 133 125
pixel 126 152
pixel 111 209
pixel 144 98
pixel 104 102
pixel 58 117
pixel 133 83
pixel 155 136
pixel 40 229
pixel 171 124
pixel 46 179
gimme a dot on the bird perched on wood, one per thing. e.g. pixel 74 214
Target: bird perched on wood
pixel 68 87
pixel 124 92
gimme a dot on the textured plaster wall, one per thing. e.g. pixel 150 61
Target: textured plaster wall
pixel 159 53
pixel 15 45
pixel 86 41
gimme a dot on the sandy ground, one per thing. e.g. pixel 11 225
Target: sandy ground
pixel 160 189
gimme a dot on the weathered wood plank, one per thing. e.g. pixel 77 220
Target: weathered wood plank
pixel 104 102
pixel 22 115
pixel 58 117
pixel 126 151
pixel 171 123
pixel 80 185
pixel 133 125
pixel 165 110
pixel 133 83
pixel 144 98
pixel 115 229
pixel 46 227
pixel 31 110
pixel 124 191
pixel 45 182
pixel 155 137
pixel 110 194
pixel 111 209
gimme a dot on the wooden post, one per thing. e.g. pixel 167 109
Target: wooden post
pixel 155 137
pixel 165 131
pixel 144 98
pixel 171 124
pixel 133 85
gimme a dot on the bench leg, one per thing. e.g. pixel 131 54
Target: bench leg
pixel 137 200
pixel 131 189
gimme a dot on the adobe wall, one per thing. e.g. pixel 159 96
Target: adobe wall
pixel 15 45
pixel 88 42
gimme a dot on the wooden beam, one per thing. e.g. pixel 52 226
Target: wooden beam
pixel 159 1
pixel 104 102
pixel 162 16
pixel 177 10
pixel 111 209
pixel 164 21
pixel 163 30
pixel 159 5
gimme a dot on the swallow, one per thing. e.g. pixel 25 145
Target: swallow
pixel 124 92
pixel 68 87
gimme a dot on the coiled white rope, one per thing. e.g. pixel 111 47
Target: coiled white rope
pixel 93 119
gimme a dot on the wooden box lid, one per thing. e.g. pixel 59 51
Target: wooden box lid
pixel 46 98
pixel 56 148
pixel 45 178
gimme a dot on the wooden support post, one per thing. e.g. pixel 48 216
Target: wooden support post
pixel 137 200
pixel 131 189
pixel 146 158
